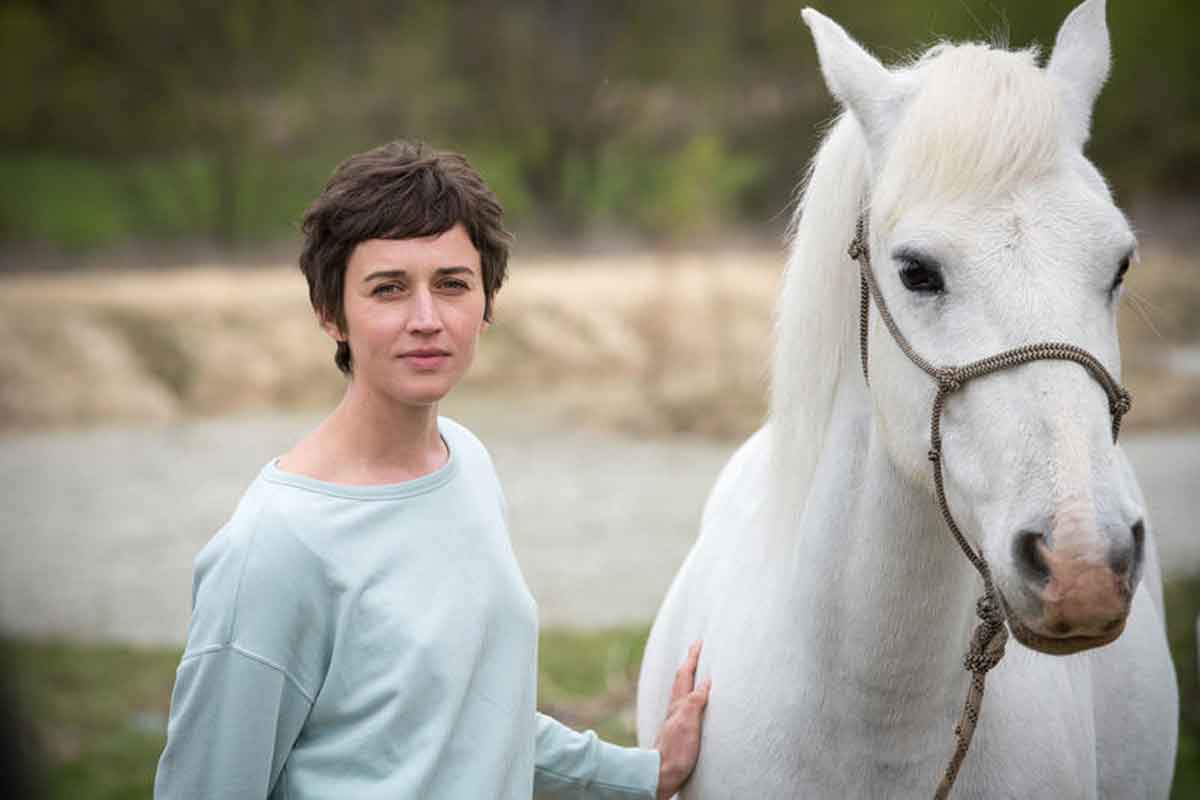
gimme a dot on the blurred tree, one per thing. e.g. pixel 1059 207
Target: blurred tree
pixel 124 80
pixel 123 119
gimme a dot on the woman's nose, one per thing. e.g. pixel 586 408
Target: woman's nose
pixel 424 317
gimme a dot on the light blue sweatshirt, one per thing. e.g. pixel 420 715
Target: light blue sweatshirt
pixel 374 642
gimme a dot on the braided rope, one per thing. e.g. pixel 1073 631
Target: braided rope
pixel 986 650
pixel 990 634
pixel 952 378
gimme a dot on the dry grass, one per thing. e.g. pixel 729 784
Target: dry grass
pixel 652 344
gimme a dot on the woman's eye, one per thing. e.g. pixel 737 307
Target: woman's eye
pixel 456 285
pixel 918 276
pixel 386 289
pixel 1120 278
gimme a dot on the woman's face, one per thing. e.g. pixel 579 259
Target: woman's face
pixel 414 310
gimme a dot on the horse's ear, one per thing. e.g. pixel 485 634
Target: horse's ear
pixel 1080 60
pixel 855 77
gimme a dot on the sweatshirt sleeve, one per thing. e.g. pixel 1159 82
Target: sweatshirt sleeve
pixel 257 651
pixel 579 766
pixel 234 719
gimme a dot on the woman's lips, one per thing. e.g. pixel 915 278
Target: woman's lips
pixel 425 359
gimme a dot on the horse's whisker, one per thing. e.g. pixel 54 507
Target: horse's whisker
pixel 1143 307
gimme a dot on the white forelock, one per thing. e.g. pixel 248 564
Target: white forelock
pixel 981 121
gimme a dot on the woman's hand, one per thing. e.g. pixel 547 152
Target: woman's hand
pixel 678 742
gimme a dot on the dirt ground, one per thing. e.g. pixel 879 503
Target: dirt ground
pixel 103 524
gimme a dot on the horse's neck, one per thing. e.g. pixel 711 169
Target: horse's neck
pixel 885 597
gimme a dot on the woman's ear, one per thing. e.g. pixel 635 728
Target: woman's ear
pixel 331 328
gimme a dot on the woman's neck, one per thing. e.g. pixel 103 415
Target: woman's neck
pixel 370 439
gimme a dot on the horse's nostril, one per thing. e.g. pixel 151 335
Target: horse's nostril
pixel 1139 541
pixel 1127 560
pixel 1027 554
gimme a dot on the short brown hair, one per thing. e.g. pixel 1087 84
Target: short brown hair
pixel 400 190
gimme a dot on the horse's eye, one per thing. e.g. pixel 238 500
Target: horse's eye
pixel 1120 278
pixel 920 276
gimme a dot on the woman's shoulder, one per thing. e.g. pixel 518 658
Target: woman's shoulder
pixel 257 581
pixel 454 431
pixel 260 531
pixel 465 445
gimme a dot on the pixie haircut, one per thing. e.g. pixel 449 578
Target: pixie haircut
pixel 401 190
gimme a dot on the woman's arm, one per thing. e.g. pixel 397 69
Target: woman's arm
pixel 580 766
pixel 234 719
pixel 569 765
pixel 256 655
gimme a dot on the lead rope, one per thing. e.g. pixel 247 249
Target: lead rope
pixel 990 635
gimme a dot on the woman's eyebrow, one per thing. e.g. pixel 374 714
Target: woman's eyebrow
pixel 399 273
pixel 441 271
pixel 385 273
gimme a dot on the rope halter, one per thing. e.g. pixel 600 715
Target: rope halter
pixel 990 635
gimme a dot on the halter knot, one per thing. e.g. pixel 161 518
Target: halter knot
pixel 857 248
pixel 989 638
pixel 983 660
pixel 1121 405
pixel 949 379
pixel 988 610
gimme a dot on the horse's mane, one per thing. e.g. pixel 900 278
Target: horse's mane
pixel 814 323
pixel 981 121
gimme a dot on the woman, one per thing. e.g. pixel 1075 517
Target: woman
pixel 360 627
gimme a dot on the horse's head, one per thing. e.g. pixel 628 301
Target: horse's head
pixel 989 229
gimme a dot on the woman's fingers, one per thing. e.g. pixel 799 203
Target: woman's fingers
pixel 678 741
pixel 685 676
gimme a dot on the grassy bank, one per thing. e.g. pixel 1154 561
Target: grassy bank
pixel 90 719
pixel 92 716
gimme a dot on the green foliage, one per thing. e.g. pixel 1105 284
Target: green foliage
pixel 85 203
pixel 1183 615
pixel 97 712
pixel 673 193
pixel 502 171
pixel 587 679
pixel 579 664
pixel 697 187
pixel 274 189
pixel 126 121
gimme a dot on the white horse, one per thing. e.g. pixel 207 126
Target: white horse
pixel 834 605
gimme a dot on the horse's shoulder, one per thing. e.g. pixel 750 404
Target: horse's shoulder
pixel 740 483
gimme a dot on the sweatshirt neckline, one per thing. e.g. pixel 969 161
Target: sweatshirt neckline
pixel 367 491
